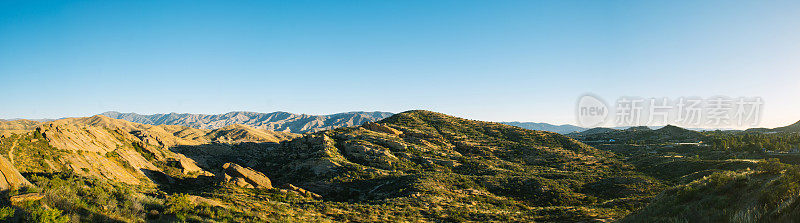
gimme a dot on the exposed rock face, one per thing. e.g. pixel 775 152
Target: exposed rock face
pixel 245 177
pixel 241 133
pixel 124 151
pixel 187 165
pixel 302 191
pixel 276 121
pixel 11 178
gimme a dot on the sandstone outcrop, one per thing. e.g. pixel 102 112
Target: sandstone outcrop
pixel 245 177
pixel 11 178
pixel 301 191
pixel 22 198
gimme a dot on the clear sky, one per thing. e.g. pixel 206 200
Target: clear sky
pixel 488 60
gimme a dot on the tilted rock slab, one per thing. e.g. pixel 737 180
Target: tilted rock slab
pixel 19 199
pixel 11 178
pixel 245 177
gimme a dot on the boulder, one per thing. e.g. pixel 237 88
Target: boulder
pixel 245 177
pixel 301 191
pixel 22 198
pixel 11 178
pixel 186 165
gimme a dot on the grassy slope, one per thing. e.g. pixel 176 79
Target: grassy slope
pixel 768 194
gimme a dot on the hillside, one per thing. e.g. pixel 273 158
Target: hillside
pixel 765 194
pixel 413 166
pixel 8 128
pixel 458 169
pixel 785 129
pixel 116 150
pixel 560 129
pixel 276 121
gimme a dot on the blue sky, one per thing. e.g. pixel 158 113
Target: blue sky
pixel 486 60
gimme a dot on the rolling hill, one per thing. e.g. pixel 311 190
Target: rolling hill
pixel 788 129
pixel 767 193
pixel 664 134
pixel 456 169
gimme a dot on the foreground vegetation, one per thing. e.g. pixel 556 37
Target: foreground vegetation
pixel 767 194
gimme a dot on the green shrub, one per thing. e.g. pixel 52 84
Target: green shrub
pixel 42 214
pixel 180 205
pixel 772 165
pixel 6 213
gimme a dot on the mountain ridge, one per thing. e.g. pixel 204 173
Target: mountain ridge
pixel 275 121
pixel 541 126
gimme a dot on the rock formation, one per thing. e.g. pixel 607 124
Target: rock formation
pixel 11 178
pixel 22 198
pixel 245 177
pixel 381 128
pixel 301 191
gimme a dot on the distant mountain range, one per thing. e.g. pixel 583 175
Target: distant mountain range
pixel 275 121
pixel 303 123
pixel 567 129
pixel 560 129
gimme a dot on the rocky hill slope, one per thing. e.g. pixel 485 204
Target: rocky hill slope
pixel 493 171
pixel 9 127
pixel 118 150
pixel 276 121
